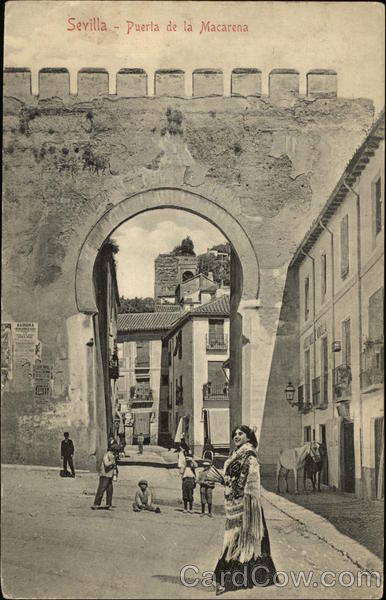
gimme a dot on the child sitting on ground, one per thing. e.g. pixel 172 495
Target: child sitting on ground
pixel 143 498
pixel 206 489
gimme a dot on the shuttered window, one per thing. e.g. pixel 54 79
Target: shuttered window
pixel 344 247
pixel 307 376
pixel 216 331
pixel 216 375
pixel 376 315
pixel 143 354
pixel 346 336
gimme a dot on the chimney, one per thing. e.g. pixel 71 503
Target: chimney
pixel 210 275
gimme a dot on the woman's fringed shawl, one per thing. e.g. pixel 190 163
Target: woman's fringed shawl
pixel 244 524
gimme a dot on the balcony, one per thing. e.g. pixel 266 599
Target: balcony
pixel 342 382
pixel 217 343
pixel 141 393
pixel 372 367
pixel 217 391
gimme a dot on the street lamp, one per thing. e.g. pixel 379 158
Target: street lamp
pixel 289 394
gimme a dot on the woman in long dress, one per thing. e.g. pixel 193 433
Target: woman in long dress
pixel 246 557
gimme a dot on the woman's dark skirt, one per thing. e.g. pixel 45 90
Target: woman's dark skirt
pixel 234 575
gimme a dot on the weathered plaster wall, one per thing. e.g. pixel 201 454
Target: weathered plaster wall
pixel 270 162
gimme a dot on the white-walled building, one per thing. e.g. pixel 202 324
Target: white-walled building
pixel 198 346
pixel 340 267
pixel 142 387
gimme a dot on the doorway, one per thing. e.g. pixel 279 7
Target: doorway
pixel 348 456
pixel 323 440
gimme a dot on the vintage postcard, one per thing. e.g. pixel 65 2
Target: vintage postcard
pixel 192 300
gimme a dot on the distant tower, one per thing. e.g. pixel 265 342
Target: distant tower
pixel 169 271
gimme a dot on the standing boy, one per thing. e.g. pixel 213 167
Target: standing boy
pixel 188 474
pixel 206 489
pixel 108 467
pixel 67 452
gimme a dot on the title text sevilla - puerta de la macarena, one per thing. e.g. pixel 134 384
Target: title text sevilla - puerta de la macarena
pixel 96 24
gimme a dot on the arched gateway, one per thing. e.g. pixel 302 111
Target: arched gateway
pixel 244 289
pixel 156 198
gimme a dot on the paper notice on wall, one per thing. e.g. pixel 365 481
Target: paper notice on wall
pixel 25 338
pixel 43 376
pixel 6 353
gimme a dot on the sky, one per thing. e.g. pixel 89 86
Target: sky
pixel 141 239
pixel 345 36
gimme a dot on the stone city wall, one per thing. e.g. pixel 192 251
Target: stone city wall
pixel 267 163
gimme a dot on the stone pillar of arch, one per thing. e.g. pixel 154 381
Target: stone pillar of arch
pixel 247 399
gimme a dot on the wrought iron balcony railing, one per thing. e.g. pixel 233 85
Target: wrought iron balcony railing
pixel 216 391
pixel 141 393
pixel 342 382
pixel 217 342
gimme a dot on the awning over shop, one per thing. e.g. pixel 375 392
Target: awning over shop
pixel 218 419
pixel 180 431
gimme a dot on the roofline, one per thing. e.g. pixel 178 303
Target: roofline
pixel 353 170
pixel 123 331
pixel 185 318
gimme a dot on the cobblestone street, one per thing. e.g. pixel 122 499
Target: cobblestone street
pixel 54 546
pixel 362 520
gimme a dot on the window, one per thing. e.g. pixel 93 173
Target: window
pixel 346 337
pixel 323 272
pixel 216 331
pixel 307 433
pixel 143 355
pixel 376 316
pixel 178 346
pixel 324 369
pixel 216 375
pixel 306 298
pixel 344 247
pixel 307 376
pixel 377 204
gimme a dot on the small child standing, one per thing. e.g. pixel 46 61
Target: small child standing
pixel 206 489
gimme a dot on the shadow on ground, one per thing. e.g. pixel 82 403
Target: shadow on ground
pixel 362 520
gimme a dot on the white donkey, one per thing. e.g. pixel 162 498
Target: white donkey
pixel 293 459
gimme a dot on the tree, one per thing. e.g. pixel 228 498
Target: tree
pixel 218 265
pixel 186 248
pixel 136 305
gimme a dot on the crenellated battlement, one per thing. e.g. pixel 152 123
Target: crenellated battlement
pixel 283 84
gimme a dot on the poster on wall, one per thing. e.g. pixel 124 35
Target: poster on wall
pixel 25 338
pixel 43 377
